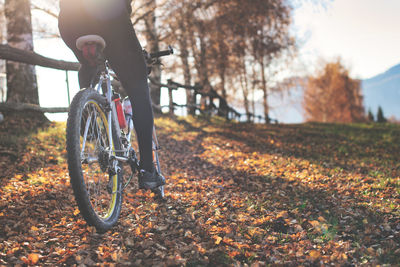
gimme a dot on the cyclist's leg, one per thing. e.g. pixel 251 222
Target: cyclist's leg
pixel 125 55
pixel 73 26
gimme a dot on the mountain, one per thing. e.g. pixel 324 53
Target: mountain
pixel 383 90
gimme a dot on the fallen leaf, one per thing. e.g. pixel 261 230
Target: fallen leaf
pixel 218 239
pixel 33 258
pixel 314 254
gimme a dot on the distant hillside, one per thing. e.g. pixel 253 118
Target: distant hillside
pixel 383 90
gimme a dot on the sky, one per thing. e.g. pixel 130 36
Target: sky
pixel 364 33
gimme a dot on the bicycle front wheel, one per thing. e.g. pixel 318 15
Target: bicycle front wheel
pixel 92 169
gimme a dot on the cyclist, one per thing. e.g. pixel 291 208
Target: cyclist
pixel 110 19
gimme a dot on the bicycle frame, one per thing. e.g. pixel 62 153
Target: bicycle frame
pixel 105 74
pixel 101 147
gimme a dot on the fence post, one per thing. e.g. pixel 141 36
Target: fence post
pixel 67 81
pixel 171 101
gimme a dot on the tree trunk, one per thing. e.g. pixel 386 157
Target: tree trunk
pixel 201 63
pixel 153 45
pixel 190 100
pixel 223 105
pixel 183 43
pixel 2 62
pixel 222 66
pixel 21 78
pixel 245 90
pixel 265 92
pixel 205 82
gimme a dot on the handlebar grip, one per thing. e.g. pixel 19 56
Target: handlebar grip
pixel 170 51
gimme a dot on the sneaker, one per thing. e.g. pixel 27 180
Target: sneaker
pixel 150 180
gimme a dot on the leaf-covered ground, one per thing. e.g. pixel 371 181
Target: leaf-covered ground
pixel 237 194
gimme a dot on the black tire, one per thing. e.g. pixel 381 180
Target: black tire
pixel 97 191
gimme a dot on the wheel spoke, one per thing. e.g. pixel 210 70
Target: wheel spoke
pixel 88 121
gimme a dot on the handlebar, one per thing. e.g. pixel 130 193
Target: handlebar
pixel 158 54
pixel 153 58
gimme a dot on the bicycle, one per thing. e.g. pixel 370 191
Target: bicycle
pixel 100 146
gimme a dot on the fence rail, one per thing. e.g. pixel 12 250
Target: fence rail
pixel 30 107
pixel 14 54
pixel 9 53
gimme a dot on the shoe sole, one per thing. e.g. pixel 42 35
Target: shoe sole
pixel 150 186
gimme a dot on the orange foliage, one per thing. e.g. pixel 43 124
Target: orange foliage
pixel 332 96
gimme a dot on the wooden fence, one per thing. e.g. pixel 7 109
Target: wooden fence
pixel 223 109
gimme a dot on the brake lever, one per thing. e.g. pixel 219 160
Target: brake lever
pixel 147 57
pixel 171 49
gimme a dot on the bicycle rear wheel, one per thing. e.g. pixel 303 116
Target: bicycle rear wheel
pixel 94 177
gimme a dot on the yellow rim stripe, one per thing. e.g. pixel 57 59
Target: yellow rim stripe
pixel 114 178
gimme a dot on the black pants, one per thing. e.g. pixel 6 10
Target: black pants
pixel 125 56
